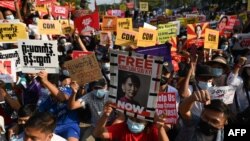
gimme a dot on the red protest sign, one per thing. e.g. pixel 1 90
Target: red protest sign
pixel 196 34
pixel 226 24
pixel 62 11
pixel 8 4
pixel 130 5
pixel 41 2
pixel 78 54
pixel 166 104
pixel 87 23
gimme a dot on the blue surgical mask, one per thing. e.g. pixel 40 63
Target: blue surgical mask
pixel 135 127
pixel 100 93
pixel 65 72
pixel 10 17
pixel 99 57
pixel 204 85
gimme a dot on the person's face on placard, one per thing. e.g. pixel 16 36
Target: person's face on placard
pixel 31 134
pixel 223 23
pixel 129 88
pixel 198 31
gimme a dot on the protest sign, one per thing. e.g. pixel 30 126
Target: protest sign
pixel 166 104
pixel 41 8
pixel 80 13
pixel 84 69
pixel 41 2
pixel 117 13
pixel 8 4
pixel 87 23
pixel 61 11
pixel 183 21
pixel 124 23
pixel 7 70
pixel 178 26
pixel 224 93
pixel 144 73
pixel 149 26
pixel 10 33
pixel 165 34
pixel 37 55
pixel 67 27
pixel 196 34
pixel 146 37
pixel 173 42
pixel 49 27
pixel 11 54
pixel 77 54
pixel 211 39
pixel 242 42
pixel 169 12
pixel 143 6
pixel 109 23
pixel 130 5
pixel 226 24
pixel 10 21
pixel 192 20
pixel 105 38
pixel 123 7
pixel 126 37
pixel 243 17
pixel 158 50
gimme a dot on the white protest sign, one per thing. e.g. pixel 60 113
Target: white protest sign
pixel 7 70
pixel 37 55
pixel 178 26
pixel 224 93
pixel 149 26
pixel 11 54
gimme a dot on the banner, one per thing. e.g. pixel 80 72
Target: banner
pixel 105 38
pixel 211 39
pixel 242 42
pixel 84 69
pixel 117 13
pixel 143 6
pixel 52 27
pixel 10 33
pixel 143 74
pixel 224 93
pixel 166 104
pixel 109 23
pixel 62 11
pixel 124 23
pixel 146 37
pixel 196 34
pixel 77 54
pixel 11 54
pixel 41 2
pixel 87 23
pixel 126 37
pixel 37 55
pixel 7 70
pixel 165 34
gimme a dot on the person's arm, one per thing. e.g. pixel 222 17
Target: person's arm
pixel 162 131
pixel 100 130
pixel 79 41
pixel 237 66
pixel 14 103
pixel 19 16
pixel 52 88
pixel 233 79
pixel 73 103
pixel 186 106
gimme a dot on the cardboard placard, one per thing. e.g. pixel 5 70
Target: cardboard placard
pixel 77 54
pixel 143 6
pixel 166 104
pixel 126 37
pixel 109 23
pixel 211 39
pixel 224 93
pixel 141 72
pixel 52 27
pixel 37 55
pixel 62 11
pixel 11 54
pixel 84 69
pixel 7 70
pixel 226 24
pixel 124 23
pixel 87 23
pixel 146 37
pixel 10 33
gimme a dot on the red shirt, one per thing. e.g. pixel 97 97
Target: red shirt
pixel 120 132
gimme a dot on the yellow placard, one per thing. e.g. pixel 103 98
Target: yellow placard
pixel 211 39
pixel 109 23
pixel 146 37
pixel 192 20
pixel 168 25
pixel 125 23
pixel 123 7
pixel 165 34
pixel 11 32
pixel 183 21
pixel 41 8
pixel 143 6
pixel 67 28
pixel 243 17
pixel 49 27
pixel 168 12
pixel 126 37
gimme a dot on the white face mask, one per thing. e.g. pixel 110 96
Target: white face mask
pixel 204 85
pixel 10 17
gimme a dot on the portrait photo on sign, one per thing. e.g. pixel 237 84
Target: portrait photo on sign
pixel 132 88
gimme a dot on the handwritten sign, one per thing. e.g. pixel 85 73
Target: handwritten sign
pixel 10 33
pixel 77 54
pixel 124 23
pixel 11 54
pixel 126 37
pixel 211 39
pixel 166 104
pixel 84 70
pixel 143 6
pixel 146 37
pixel 49 27
pixel 224 93
pixel 37 55
pixel 109 23
pixel 7 70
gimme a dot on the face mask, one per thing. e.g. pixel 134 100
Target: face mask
pixel 206 128
pixel 164 80
pixel 100 93
pixel 10 17
pixel 65 72
pixel 106 66
pixel 224 47
pixel 99 57
pixel 135 127
pixel 204 85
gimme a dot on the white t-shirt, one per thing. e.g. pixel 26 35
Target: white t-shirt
pixel 54 138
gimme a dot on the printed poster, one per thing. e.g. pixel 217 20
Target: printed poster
pixel 166 104
pixel 37 55
pixel 52 27
pixel 224 93
pixel 226 24
pixel 146 37
pixel 117 13
pixel 109 23
pixel 87 23
pixel 126 37
pixel 11 32
pixel 84 69
pixel 143 6
pixel 62 11
pixel 7 70
pixel 139 98
pixel 124 23
pixel 196 34
pixel 11 54
pixel 211 39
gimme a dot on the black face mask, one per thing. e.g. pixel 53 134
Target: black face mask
pixel 164 80
pixel 207 129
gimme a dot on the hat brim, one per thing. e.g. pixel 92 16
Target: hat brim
pixel 225 66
